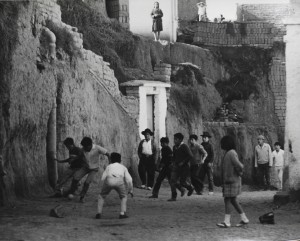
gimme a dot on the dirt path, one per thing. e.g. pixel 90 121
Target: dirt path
pixel 189 218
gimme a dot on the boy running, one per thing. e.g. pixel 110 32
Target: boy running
pixel 92 154
pixel 76 160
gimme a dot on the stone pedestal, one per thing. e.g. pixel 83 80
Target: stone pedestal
pixel 292 137
pixel 162 72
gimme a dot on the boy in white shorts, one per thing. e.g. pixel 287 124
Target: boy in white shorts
pixel 278 157
pixel 115 177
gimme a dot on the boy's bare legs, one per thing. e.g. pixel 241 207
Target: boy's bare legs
pixel 100 206
pixel 123 205
pixel 158 35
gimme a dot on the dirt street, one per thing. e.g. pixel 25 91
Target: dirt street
pixel 189 218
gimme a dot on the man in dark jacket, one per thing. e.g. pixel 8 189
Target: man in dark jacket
pixel 147 152
pixel 182 156
pixel 207 167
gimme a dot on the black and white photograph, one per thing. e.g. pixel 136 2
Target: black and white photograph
pixel 145 120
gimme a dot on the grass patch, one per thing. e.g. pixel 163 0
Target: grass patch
pixel 246 67
pixel 187 100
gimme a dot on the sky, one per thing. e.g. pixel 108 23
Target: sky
pixel 228 7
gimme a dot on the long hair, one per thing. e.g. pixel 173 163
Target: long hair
pixel 227 143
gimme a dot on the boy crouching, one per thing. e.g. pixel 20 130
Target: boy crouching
pixel 115 176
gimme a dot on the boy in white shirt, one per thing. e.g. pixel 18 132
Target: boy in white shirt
pixel 278 157
pixel 92 154
pixel 115 176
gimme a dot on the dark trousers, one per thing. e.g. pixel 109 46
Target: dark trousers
pixel 263 174
pixel 146 170
pixel 164 173
pixel 195 179
pixel 207 170
pixel 181 175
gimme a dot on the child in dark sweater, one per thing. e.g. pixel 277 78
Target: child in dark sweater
pixel 164 166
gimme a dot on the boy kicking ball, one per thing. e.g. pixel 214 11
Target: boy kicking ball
pixel 115 177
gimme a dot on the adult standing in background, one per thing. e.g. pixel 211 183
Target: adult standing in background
pixel 263 161
pixel 147 152
pixel 157 27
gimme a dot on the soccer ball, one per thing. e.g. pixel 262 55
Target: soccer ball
pixel 70 196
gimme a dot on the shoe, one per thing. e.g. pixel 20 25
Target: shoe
pixel 149 188
pixel 182 192
pixel 81 199
pixel 153 196
pixel 199 193
pixel 210 193
pixel 190 192
pixel 57 212
pixel 223 225
pixel 123 216
pixel 142 187
pixel 242 223
pixel 172 199
pixel 98 216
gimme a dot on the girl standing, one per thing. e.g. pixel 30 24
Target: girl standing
pixel 231 171
pixel 156 15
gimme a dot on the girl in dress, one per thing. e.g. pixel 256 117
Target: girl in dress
pixel 231 171
pixel 156 15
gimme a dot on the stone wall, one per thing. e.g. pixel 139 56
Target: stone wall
pixel 277 79
pixel 81 89
pixel 273 13
pixel 255 34
pixel 48 10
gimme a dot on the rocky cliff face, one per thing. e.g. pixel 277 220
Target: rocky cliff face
pixel 33 86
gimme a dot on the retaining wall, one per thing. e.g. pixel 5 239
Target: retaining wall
pixel 255 34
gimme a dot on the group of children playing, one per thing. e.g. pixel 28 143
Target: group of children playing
pixel 182 164
pixel 85 161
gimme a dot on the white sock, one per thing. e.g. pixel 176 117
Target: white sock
pixel 122 213
pixel 227 219
pixel 244 218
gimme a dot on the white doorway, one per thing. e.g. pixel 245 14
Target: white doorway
pixel 150 112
